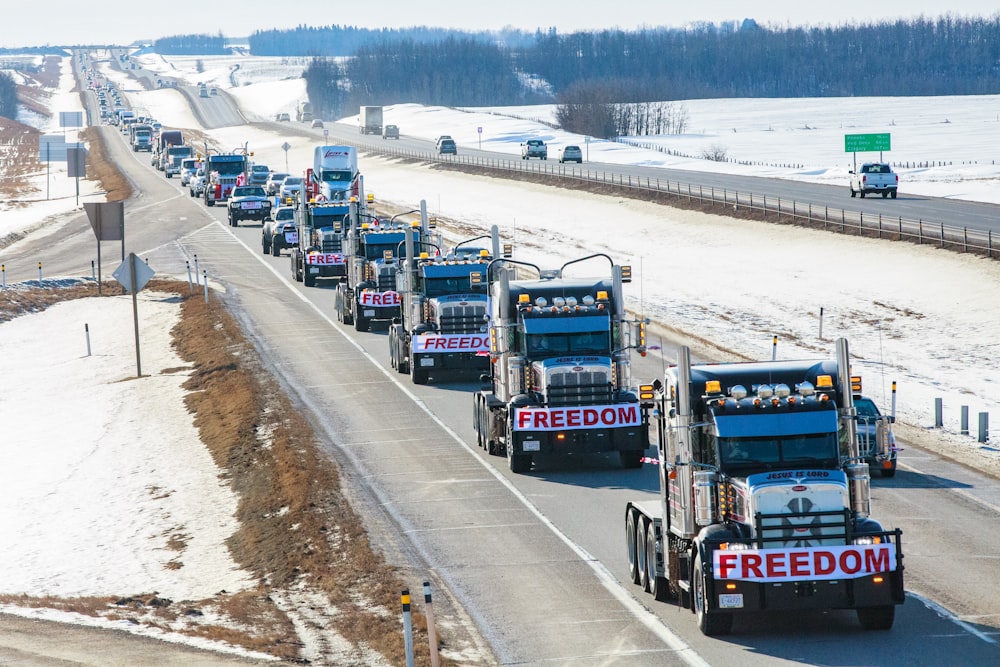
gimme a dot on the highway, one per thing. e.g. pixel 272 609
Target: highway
pixel 538 560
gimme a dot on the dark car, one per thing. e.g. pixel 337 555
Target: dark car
pixel 285 236
pixel 876 442
pixel 447 146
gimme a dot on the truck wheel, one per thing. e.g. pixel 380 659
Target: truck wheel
pixel 519 463
pixel 853 193
pixel 877 618
pixel 309 279
pixel 862 193
pixel 884 195
pixel 419 376
pixel 640 551
pixel 631 545
pixel 711 624
pixel 656 585
pixel 209 202
pixel 889 472
pixel 893 194
pixel 275 249
pixel 361 323
pixel 263 244
pixel 631 459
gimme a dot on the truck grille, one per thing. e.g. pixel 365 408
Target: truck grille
pixel 386 278
pixel 588 387
pixel 802 528
pixel 460 318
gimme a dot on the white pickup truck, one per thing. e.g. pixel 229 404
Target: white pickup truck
pixel 873 178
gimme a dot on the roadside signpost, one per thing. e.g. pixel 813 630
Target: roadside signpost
pixel 133 274
pixel 107 219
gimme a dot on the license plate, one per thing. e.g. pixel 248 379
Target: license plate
pixel 313 269
pixel 532 446
pixel 291 237
pixel 731 601
pixel 250 204
pixel 426 361
pixel 369 313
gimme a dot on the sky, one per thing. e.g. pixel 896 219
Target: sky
pixel 74 22
pixel 912 314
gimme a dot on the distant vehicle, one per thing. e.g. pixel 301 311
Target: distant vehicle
pixel 203 91
pixel 248 202
pixel 570 154
pixel 279 215
pixel 874 178
pixel 447 146
pixel 282 118
pixel 214 91
pixel 273 183
pixel 189 166
pixel 259 173
pixel 316 123
pixel 534 148
pixel 370 120
pixel 440 139
pixel 390 132
pixel 196 185
pixel 290 187
pixel 876 441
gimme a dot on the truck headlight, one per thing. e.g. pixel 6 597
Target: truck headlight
pixel 867 539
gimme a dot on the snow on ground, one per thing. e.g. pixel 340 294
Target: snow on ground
pixel 920 316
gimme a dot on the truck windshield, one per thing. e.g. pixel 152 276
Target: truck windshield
pixel 580 343
pixel 817 449
pixel 335 176
pixel 227 168
pixel 445 286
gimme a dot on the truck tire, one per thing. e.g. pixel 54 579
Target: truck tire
pixel 308 279
pixel 862 193
pixel 419 376
pixel 893 194
pixel 361 323
pixel 711 624
pixel 889 472
pixel 275 249
pixel 877 618
pixel 209 202
pixel 640 551
pixel 631 545
pixel 264 243
pixel 853 193
pixel 885 193
pixel 518 463
pixel 657 586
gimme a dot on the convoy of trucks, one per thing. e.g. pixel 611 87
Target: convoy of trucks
pixel 370 120
pixel 764 500
pixel 441 326
pixel 560 373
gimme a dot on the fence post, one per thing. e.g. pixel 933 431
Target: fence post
pixel 938 410
pixel 963 421
pixel 984 427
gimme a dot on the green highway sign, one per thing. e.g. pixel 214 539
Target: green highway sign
pixel 854 143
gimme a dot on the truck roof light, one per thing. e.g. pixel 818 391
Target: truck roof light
pixel 824 382
pixel 415 223
pixel 856 384
pixel 424 255
pixel 571 301
pixel 541 302
pixel 558 302
pixel 646 392
pixel 713 387
pixel 588 300
pixel 523 298
pixel 738 392
pixel 765 391
pixel 602 295
pixel 484 253
pixel 805 389
pixel 782 390
pixel 371 197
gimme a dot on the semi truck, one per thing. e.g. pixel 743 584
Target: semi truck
pixel 321 227
pixel 764 501
pixel 373 251
pixel 560 371
pixel 223 171
pixel 166 138
pixel 334 174
pixel 303 112
pixel 172 157
pixel 441 328
pixel 370 120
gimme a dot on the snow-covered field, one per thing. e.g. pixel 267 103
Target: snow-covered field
pixel 919 316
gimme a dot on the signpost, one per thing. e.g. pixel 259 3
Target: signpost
pixel 480 131
pixel 133 274
pixel 854 143
pixel 285 147
pixel 107 219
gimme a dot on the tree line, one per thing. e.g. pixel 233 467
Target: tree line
pixel 8 96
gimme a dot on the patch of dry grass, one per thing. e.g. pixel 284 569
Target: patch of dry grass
pixel 297 530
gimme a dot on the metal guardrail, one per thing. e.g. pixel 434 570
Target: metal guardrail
pixel 747 204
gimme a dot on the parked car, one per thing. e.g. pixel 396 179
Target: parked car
pixel 447 146
pixel 273 183
pixel 390 132
pixel 291 186
pixel 571 154
pixel 316 123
